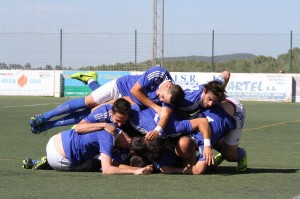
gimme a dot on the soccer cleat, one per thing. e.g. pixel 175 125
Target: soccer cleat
pixel 37 120
pixel 28 163
pixel 40 129
pixel 242 164
pixel 85 77
pixel 218 159
pixel 42 164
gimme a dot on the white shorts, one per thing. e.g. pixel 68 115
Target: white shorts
pixel 106 92
pixel 55 160
pixel 234 136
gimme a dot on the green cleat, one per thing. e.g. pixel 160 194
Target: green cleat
pixel 42 164
pixel 242 164
pixel 218 159
pixel 85 77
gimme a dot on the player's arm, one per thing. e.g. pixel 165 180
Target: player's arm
pixel 202 125
pixel 86 127
pixel 138 93
pixel 109 169
pixel 224 77
pixel 164 117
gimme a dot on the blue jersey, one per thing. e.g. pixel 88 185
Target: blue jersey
pixel 82 147
pixel 102 114
pixel 192 100
pixel 220 123
pixel 149 81
pixel 145 120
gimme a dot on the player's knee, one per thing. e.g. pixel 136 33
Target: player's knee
pixel 90 102
pixel 229 152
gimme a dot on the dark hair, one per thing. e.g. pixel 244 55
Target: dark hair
pixel 155 149
pixel 138 161
pixel 177 93
pixel 122 106
pixel 138 146
pixel 216 88
pixel 152 150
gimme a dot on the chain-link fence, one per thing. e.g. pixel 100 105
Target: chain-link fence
pixel 133 50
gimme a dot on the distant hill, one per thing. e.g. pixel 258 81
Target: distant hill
pixel 217 58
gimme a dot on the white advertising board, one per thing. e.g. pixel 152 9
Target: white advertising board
pixel 27 82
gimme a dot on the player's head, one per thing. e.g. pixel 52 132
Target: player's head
pixel 138 146
pixel 170 93
pixel 151 150
pixel 155 149
pixel 213 93
pixel 120 111
pixel 138 161
pixel 185 147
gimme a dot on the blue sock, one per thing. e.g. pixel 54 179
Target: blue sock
pixel 94 85
pixel 70 119
pixel 69 106
pixel 241 153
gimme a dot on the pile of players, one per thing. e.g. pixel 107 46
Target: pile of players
pixel 140 124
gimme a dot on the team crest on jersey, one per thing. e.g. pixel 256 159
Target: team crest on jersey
pixel 124 157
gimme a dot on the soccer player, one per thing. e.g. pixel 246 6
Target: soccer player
pixel 229 145
pixel 153 88
pixel 145 119
pixel 220 123
pixel 68 150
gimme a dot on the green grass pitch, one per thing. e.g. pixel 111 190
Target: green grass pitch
pixel 271 138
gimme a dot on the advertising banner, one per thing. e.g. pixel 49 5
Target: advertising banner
pixel 76 88
pixel 260 87
pixel 27 82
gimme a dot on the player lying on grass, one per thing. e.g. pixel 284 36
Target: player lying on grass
pixel 68 150
pixel 152 89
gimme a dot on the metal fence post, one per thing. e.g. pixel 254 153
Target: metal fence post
pixel 291 52
pixel 212 51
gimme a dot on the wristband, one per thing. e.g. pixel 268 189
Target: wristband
pixel 206 142
pixel 159 129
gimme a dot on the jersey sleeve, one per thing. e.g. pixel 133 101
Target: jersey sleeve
pixel 153 77
pixel 106 144
pixel 101 114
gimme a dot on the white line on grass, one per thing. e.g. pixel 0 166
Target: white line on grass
pixel 271 125
pixel 30 105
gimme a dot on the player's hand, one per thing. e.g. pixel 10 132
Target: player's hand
pixel 151 135
pixel 208 155
pixel 110 129
pixel 147 170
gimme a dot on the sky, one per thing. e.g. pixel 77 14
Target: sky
pixel 258 27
